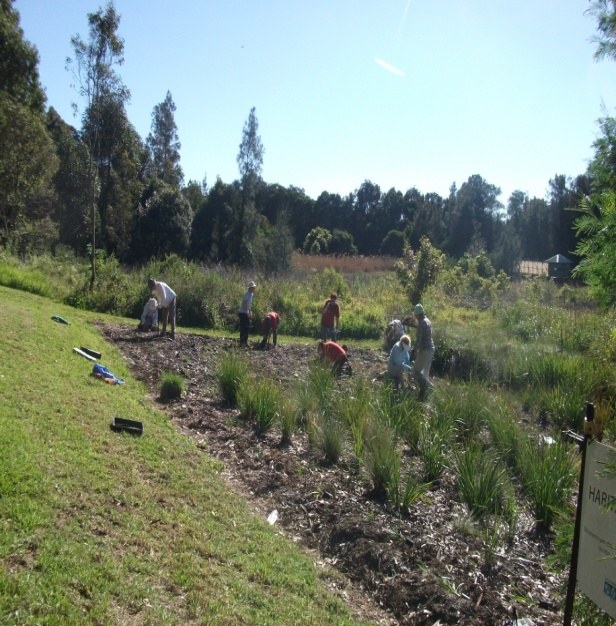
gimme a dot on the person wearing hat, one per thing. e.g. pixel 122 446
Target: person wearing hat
pixel 245 313
pixel 424 349
pixel 167 301
pixel 149 317
pixel 330 317
pixel 269 326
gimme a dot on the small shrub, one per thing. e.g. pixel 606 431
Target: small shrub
pixel 232 374
pixel 171 386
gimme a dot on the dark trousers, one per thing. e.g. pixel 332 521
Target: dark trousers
pixel 244 327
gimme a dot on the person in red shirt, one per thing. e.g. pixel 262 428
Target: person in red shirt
pixel 335 355
pixel 330 318
pixel 269 326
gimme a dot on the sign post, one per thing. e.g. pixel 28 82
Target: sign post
pixel 593 555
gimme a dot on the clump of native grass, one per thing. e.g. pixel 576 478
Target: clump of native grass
pixel 547 473
pixel 171 386
pixel 481 480
pixel 232 373
pixel 259 400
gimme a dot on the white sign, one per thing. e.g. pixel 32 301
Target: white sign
pixel 596 574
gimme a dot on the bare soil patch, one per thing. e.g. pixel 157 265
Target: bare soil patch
pixel 424 567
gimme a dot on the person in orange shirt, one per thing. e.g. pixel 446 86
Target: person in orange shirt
pixel 335 355
pixel 269 326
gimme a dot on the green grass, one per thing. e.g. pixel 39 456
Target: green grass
pixel 99 527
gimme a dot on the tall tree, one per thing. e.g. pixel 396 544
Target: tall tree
pixel 19 77
pixel 164 143
pixel 27 159
pixel 247 243
pixel 475 212
pixel 71 183
pixel 98 83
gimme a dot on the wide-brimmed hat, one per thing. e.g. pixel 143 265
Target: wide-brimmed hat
pixel 418 310
pixel 252 284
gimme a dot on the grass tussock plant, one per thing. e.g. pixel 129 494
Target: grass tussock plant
pixel 402 412
pixel 329 436
pixel 432 451
pixel 232 374
pixel 507 435
pixel 382 460
pixel 547 475
pixel 481 480
pixel 171 386
pixel 259 401
pixel 404 493
pixel 462 407
pixel 353 406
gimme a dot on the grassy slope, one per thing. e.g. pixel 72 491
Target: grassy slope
pixel 98 527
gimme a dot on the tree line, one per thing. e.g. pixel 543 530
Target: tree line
pixel 101 188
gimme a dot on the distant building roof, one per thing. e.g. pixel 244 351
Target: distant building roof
pixel 559 258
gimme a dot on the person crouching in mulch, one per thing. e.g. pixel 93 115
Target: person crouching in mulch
pixel 335 356
pixel 149 317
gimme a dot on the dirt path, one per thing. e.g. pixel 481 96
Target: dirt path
pixel 426 567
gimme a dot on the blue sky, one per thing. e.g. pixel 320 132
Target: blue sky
pixel 404 93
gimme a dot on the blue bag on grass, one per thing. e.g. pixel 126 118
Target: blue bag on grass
pixel 100 371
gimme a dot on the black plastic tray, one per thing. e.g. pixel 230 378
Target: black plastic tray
pixel 129 426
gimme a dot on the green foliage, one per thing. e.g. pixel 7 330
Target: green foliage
pixel 113 291
pixel 473 281
pixel 24 278
pixel 27 162
pixel 393 244
pixel 171 386
pixel 418 270
pixel 596 229
pixel 232 376
pixel 163 224
pixel 164 143
pixel 341 243
pixel 317 241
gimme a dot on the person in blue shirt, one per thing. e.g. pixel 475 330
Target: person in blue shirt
pixel 399 364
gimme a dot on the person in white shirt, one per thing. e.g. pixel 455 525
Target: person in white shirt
pixel 245 313
pixel 167 301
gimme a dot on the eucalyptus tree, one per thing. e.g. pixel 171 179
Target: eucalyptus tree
pixel 164 143
pixel 103 92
